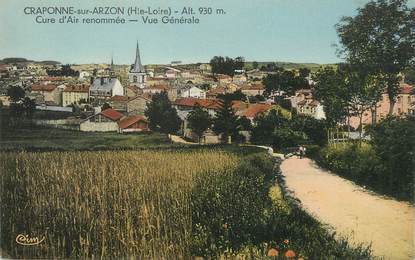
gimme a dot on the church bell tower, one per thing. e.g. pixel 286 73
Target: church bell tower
pixel 137 75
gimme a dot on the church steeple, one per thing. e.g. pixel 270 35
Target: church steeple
pixel 137 67
pixel 112 73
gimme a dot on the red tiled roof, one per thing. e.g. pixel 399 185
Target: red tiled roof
pixel 53 79
pixel 112 114
pixel 163 87
pixel 77 88
pixel 206 103
pixel 128 99
pixel 257 86
pixel 126 122
pixel 192 102
pixel 217 90
pixel 222 76
pixel 302 102
pixel 253 110
pixel 406 89
pixel 41 87
pixel 119 98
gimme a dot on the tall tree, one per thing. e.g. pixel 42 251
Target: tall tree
pixel 332 92
pixel 363 91
pixel 161 115
pixel 380 37
pixel 199 121
pixel 226 121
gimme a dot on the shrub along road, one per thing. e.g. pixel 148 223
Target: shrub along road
pixel 351 210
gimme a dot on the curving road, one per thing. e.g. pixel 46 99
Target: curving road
pixel 351 211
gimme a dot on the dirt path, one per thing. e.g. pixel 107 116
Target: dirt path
pixel 364 217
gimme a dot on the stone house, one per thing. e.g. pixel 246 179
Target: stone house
pixel 48 93
pixel 130 105
pixel 253 89
pixel 105 121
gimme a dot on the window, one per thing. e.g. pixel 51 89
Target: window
pixel 135 79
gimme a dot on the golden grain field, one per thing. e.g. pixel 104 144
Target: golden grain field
pixel 102 204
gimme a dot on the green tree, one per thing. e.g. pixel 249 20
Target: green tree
pixel 381 38
pixel 226 65
pixel 255 65
pixel 226 121
pixel 284 80
pixel 275 130
pixel 315 129
pixel 199 121
pixel 105 106
pixel 364 91
pixel 15 93
pixel 332 92
pixel 161 115
pixel 237 95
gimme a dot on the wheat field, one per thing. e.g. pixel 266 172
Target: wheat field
pixel 108 204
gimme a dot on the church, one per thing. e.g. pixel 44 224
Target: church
pixel 137 75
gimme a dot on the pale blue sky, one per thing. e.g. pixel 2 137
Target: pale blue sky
pixel 263 30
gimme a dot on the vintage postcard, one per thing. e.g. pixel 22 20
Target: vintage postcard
pixel 155 129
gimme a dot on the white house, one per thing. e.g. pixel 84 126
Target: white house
pixel 193 92
pixel 84 75
pixel 105 87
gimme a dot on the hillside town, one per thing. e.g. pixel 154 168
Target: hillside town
pixel 113 98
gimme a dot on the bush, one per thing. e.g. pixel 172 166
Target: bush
pixel 385 164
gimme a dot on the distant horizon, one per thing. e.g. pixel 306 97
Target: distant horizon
pixel 295 31
pixel 182 63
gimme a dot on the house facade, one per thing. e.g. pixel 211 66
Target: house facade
pixel 74 94
pixel 193 92
pixel 404 106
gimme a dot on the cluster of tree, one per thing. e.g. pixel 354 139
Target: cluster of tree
pixel 65 71
pixel 378 44
pixel 270 67
pixel 226 65
pixel 225 123
pixel 286 80
pixel 281 132
pixel 20 105
pixel 237 95
pixel 162 116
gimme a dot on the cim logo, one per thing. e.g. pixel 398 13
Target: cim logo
pixel 26 240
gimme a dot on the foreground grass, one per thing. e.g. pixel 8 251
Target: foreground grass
pixel 102 204
pixel 156 204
